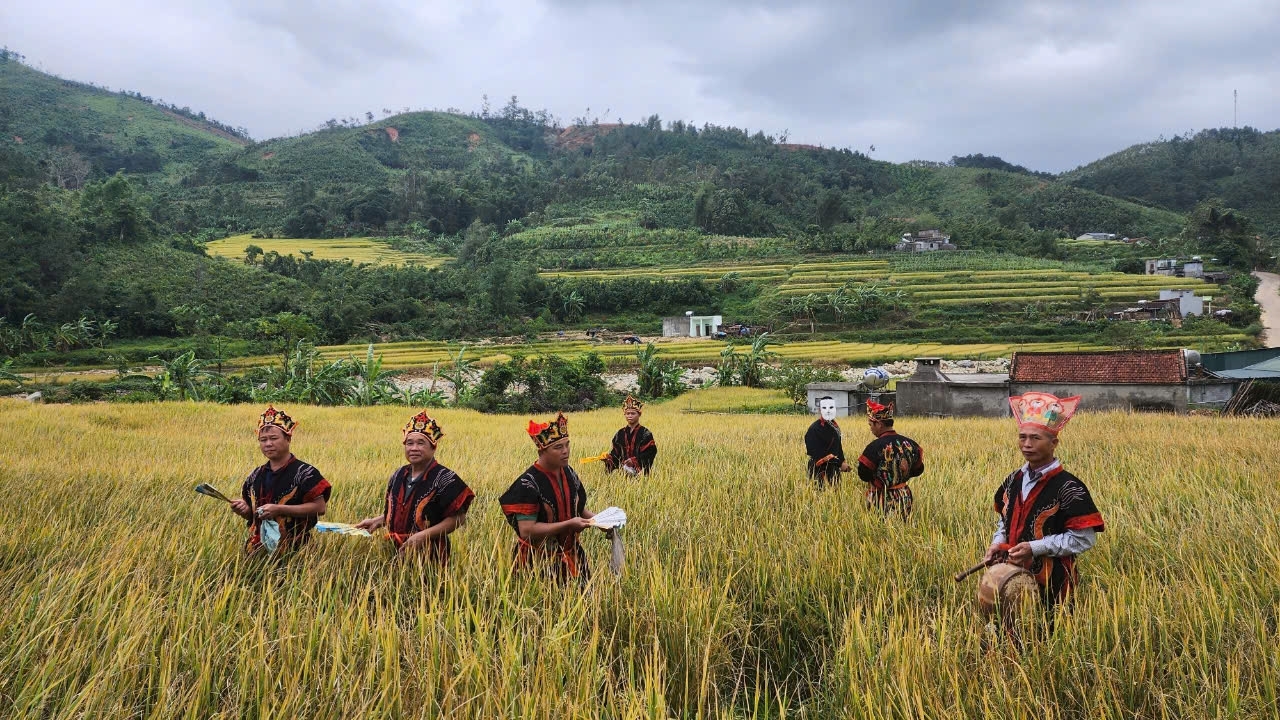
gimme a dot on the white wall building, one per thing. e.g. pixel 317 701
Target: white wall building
pixel 1188 303
pixel 703 326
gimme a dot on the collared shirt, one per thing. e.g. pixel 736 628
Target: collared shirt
pixel 1071 542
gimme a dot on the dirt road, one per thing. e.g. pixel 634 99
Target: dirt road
pixel 1268 298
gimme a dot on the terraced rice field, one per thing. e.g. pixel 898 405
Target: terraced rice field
pixel 956 286
pixel 358 250
pixel 424 354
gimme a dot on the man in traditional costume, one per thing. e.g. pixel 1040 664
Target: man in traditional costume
pixel 284 489
pixel 547 507
pixel 425 500
pixel 1047 516
pixel 822 442
pixel 889 462
pixel 633 446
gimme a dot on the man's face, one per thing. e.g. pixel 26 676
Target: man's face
pixel 1037 445
pixel 273 443
pixel 555 455
pixel 827 409
pixel 632 416
pixel 418 449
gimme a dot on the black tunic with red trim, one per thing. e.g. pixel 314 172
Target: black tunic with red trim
pixel 548 497
pixel 414 504
pixel 1059 502
pixel 296 483
pixel 635 444
pixel 826 451
pixel 889 461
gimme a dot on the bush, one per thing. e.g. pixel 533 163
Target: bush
pixel 793 377
pixel 543 385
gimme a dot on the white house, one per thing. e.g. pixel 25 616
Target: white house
pixel 1188 303
pixel 691 325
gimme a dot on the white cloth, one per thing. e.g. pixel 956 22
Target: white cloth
pixel 1071 542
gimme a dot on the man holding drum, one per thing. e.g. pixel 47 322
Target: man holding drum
pixel 1047 516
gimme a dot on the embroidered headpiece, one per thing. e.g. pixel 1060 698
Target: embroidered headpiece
pixel 876 411
pixel 423 423
pixel 1044 411
pixel 544 434
pixel 632 404
pixel 279 419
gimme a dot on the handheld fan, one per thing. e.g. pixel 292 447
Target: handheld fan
pixel 211 491
pixel 609 518
pixel 342 529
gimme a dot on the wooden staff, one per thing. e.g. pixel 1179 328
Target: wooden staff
pixel 962 575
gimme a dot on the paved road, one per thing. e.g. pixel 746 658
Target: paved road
pixel 1268 298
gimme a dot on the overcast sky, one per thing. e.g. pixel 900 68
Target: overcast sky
pixel 1050 85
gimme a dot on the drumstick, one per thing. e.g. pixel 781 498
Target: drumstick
pixel 972 570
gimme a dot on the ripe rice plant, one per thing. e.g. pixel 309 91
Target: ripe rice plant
pixel 747 593
pixel 357 250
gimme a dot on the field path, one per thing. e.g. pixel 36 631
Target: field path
pixel 1268 298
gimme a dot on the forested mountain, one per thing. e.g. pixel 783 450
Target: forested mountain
pixel 78 132
pixel 107 200
pixel 1239 166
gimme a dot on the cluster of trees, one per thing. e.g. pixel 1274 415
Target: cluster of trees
pixel 31 335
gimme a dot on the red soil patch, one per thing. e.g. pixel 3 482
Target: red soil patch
pixel 473 142
pixel 579 136
pixel 797 146
pixel 393 134
pixel 268 156
pixel 17 139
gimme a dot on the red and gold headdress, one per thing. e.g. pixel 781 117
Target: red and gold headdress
pixel 544 434
pixel 876 411
pixel 632 404
pixel 424 424
pixel 278 418
pixel 1043 411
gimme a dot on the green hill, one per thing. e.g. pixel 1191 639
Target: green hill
pixel 1239 166
pixel 79 132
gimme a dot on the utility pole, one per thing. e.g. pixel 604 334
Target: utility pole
pixel 1235 109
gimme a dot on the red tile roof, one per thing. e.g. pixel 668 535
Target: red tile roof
pixel 1139 367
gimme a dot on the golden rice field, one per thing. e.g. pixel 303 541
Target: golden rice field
pixel 357 250
pixel 747 593
pixel 424 353
pixel 951 286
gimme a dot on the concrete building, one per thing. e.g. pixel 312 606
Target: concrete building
pixel 1155 380
pixel 1193 268
pixel 1167 266
pixel 1188 303
pixel 1097 236
pixel 851 397
pixel 690 325
pixel 932 392
pixel 924 241
pixel 1159 380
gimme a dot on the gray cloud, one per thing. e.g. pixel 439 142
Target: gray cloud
pixel 1048 84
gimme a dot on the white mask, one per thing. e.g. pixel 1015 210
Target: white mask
pixel 827 409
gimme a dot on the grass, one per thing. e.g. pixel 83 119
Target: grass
pixel 747 593
pixel 358 250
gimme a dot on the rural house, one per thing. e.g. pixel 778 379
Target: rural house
pixel 924 241
pixel 690 325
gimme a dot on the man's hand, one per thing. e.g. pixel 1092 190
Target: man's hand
pixel 845 466
pixel 240 508
pixel 271 511
pixel 576 524
pixel 1021 554
pixel 369 524
pixel 996 553
pixel 415 541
